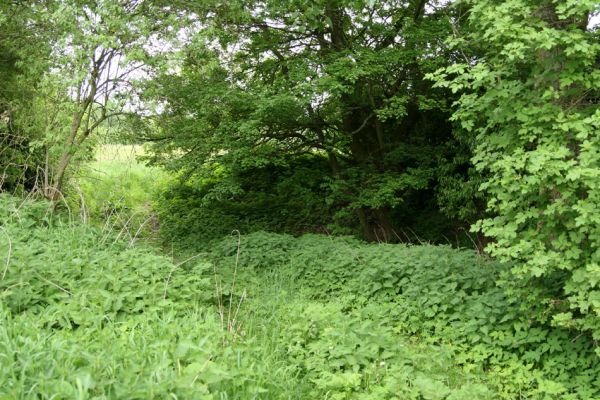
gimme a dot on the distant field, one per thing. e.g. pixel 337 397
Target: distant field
pixel 119 152
pixel 119 188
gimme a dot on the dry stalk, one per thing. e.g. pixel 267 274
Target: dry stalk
pixel 9 252
pixel 82 210
pixel 237 261
pixel 229 322
pixel 54 284
pixel 139 230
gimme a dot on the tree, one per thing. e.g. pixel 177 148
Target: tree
pixel 531 98
pixel 99 49
pixel 21 65
pixel 265 81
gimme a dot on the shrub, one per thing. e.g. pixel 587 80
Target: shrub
pixel 530 101
pixel 214 202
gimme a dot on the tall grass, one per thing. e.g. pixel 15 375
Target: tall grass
pixel 117 191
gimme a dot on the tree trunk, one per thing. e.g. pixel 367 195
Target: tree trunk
pixel 367 228
pixel 65 158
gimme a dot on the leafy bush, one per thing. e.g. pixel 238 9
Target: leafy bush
pixel 530 101
pixel 20 161
pixel 281 198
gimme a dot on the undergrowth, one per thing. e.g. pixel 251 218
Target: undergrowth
pixel 437 295
pixel 83 315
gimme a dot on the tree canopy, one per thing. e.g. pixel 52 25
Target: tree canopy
pixel 265 82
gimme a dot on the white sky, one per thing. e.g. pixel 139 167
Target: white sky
pixel 594 21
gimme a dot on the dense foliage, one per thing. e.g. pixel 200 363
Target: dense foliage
pixel 532 101
pixel 20 64
pixel 429 292
pixel 278 198
pixel 265 83
pixel 386 121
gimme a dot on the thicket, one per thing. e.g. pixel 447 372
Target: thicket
pixel 71 70
pixel 410 111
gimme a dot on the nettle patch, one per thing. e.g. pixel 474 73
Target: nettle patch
pixel 440 295
pixel 268 316
pixel 83 316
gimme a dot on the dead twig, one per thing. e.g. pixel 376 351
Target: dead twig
pixel 9 252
